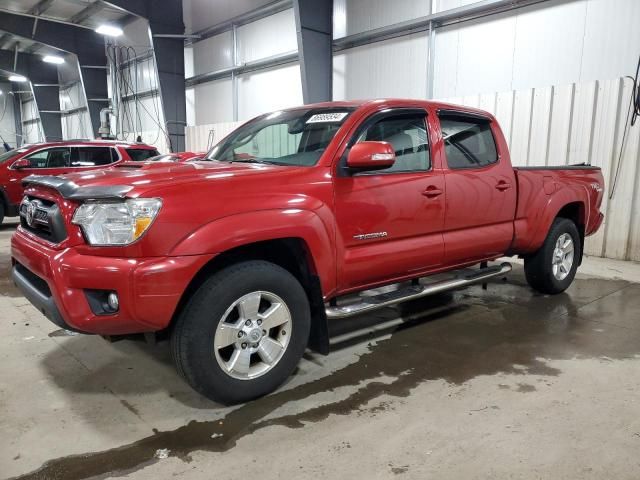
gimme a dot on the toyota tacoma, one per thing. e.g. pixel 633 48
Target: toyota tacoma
pixel 242 259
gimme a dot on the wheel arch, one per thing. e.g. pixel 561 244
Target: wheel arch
pixel 291 253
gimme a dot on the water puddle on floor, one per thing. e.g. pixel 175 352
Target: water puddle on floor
pixel 507 329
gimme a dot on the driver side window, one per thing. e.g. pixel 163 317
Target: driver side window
pixel 57 157
pixel 407 134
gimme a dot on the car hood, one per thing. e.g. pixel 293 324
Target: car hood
pixel 143 176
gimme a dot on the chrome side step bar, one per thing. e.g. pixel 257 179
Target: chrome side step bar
pixel 415 291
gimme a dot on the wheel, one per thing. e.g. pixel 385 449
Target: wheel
pixel 243 332
pixel 553 267
pixel 1 212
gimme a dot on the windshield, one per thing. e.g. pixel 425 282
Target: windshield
pixel 294 137
pixel 12 154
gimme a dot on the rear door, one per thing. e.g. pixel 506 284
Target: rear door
pixel 390 221
pixel 481 189
pixel 87 157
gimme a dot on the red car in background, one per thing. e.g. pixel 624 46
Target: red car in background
pixel 59 158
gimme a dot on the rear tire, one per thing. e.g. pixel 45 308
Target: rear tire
pixel 243 332
pixel 553 267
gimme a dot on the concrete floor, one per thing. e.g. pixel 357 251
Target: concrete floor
pixel 503 383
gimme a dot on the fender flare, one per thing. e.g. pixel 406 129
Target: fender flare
pixel 242 229
pixel 555 204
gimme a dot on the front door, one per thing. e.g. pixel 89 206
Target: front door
pixel 390 221
pixel 48 161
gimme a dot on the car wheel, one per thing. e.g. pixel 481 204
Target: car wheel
pixel 243 332
pixel 553 267
pixel 1 212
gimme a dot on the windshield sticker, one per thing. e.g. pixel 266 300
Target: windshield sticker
pixel 327 117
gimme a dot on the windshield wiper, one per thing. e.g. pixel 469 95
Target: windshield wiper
pixel 257 160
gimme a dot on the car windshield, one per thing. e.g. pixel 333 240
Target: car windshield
pixel 293 137
pixel 12 154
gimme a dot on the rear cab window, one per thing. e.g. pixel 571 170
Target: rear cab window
pixel 468 140
pixel 141 154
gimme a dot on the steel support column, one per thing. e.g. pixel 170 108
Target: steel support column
pixel 87 45
pixel 165 18
pixel 314 26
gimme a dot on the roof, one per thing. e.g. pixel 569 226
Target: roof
pixel 393 102
pixel 85 141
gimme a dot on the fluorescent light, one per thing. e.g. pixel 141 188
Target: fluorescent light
pixel 1 92
pixel 109 30
pixel 17 78
pixel 53 59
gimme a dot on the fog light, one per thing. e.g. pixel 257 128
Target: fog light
pixel 113 302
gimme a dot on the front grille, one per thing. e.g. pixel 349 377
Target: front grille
pixel 42 218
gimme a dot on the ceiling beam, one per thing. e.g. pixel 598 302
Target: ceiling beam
pixel 88 11
pixel 41 7
pixel 33 48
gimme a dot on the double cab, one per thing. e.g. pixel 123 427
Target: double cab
pixel 242 259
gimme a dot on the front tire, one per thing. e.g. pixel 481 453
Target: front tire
pixel 553 267
pixel 243 332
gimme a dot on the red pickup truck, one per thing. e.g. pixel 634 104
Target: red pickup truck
pixel 58 158
pixel 243 258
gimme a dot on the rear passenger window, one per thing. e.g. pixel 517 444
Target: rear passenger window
pixel 407 134
pixel 141 154
pixel 92 156
pixel 468 143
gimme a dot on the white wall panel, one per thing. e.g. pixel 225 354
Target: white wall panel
pixel 212 54
pixel 540 118
pixel 548 44
pixel 355 16
pixel 394 68
pixel 201 14
pixel 483 57
pixel 268 90
pixel 200 138
pixel 611 39
pixel 560 124
pixel 620 208
pixel 213 102
pixel 268 36
pixel 603 152
pixel 557 42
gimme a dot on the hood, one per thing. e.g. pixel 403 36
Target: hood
pixel 151 175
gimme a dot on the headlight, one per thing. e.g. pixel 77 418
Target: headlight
pixel 116 223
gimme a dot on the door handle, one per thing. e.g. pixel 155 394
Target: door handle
pixel 502 186
pixel 432 192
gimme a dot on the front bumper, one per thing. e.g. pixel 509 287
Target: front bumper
pixel 57 281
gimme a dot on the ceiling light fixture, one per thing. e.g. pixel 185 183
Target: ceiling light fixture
pixel 17 78
pixel 53 59
pixel 109 30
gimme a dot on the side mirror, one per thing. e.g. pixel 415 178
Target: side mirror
pixel 371 156
pixel 20 164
